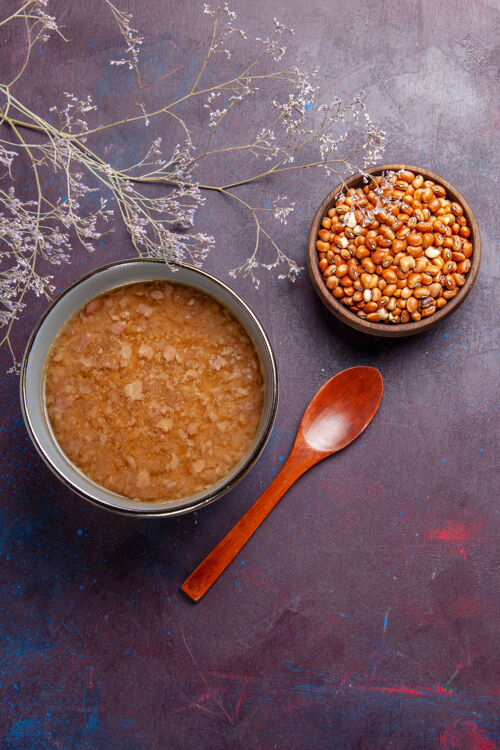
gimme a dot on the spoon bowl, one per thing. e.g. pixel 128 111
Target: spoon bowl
pixel 337 414
pixel 341 410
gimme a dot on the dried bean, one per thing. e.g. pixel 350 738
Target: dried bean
pixel 406 261
pixel 421 264
pixel 332 283
pixel 432 269
pixel 421 291
pixel 402 233
pixel 342 270
pixel 368 264
pixel 389 275
pixel 467 249
pixel 428 311
pixel 427 240
pixel 329 271
pixel 450 281
pixel 341 242
pixel 426 302
pixel 432 252
pixel 378 256
pixel 414 280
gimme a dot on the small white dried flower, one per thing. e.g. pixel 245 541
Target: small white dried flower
pixel 294 133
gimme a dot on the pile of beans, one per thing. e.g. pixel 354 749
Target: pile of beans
pixel 396 250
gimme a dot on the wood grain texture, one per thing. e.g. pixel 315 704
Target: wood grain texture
pixel 381 329
pixel 338 413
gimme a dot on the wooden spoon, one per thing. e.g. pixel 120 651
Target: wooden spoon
pixel 337 414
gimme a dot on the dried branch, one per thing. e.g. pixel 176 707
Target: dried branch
pixel 294 134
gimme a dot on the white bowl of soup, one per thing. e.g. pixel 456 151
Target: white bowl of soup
pixel 149 389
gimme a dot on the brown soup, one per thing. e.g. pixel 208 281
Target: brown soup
pixel 154 391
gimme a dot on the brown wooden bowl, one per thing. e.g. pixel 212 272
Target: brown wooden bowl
pixel 383 329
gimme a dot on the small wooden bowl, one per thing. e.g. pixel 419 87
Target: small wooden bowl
pixel 383 329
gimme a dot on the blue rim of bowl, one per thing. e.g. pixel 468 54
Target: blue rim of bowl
pixel 210 497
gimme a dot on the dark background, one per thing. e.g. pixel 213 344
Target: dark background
pixel 364 612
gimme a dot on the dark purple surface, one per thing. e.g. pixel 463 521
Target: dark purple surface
pixel 364 613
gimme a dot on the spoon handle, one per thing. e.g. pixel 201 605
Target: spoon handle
pixel 221 556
